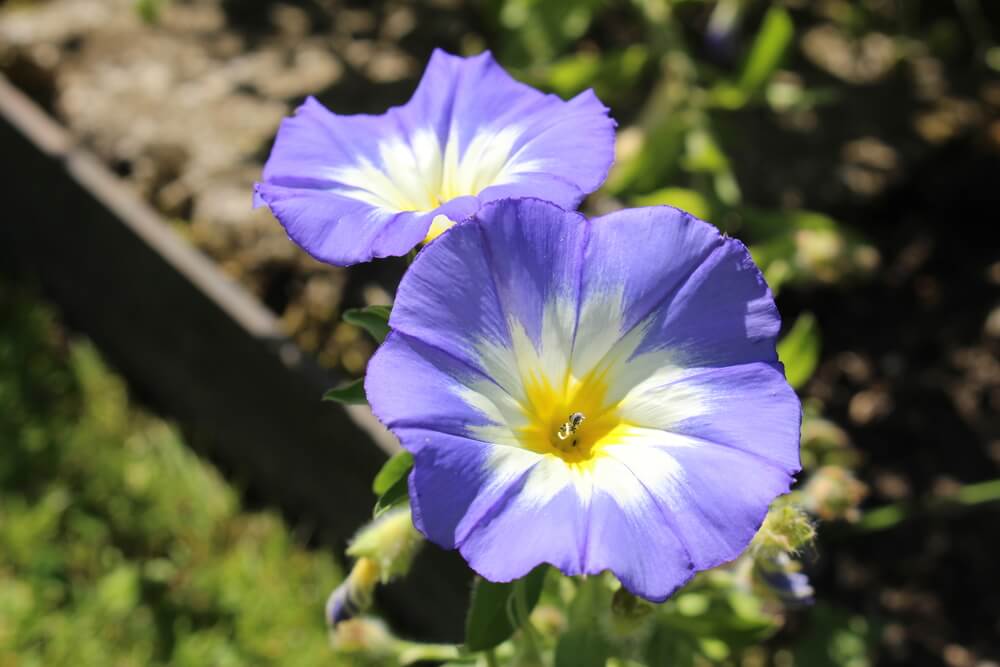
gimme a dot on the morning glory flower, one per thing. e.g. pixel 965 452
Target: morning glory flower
pixel 597 395
pixel 779 575
pixel 350 188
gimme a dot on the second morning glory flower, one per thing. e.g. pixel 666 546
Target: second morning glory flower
pixel 597 395
pixel 351 188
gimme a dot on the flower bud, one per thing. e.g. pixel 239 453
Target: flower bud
pixel 779 575
pixel 354 595
pixel 364 637
pixel 834 493
pixel 786 529
pixel 390 541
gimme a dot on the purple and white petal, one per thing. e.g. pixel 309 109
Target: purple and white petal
pixel 350 188
pixel 598 395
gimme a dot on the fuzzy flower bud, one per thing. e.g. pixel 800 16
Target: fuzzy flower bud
pixel 834 493
pixel 385 549
pixel 364 637
pixel 390 541
pixel 354 595
pixel 786 529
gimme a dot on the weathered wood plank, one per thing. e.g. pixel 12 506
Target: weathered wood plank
pixel 202 349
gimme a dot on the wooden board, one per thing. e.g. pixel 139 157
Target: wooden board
pixel 198 347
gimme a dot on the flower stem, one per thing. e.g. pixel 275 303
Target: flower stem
pixel 411 652
pixel 521 605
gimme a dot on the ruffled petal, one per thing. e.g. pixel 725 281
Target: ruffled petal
pixel 420 386
pixel 350 188
pixel 714 496
pixel 652 325
pixel 490 286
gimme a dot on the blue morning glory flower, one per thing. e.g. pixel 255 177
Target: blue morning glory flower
pixel 595 394
pixel 350 188
pixel 779 575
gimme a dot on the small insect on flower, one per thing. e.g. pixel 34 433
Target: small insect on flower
pixel 595 394
pixel 351 188
pixel 570 425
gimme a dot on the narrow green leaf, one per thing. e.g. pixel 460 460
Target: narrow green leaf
pixel 768 50
pixel 392 471
pixel 799 350
pixel 488 623
pixel 373 319
pixel 397 494
pixel 352 393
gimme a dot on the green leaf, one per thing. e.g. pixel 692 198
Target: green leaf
pixel 702 153
pixel 397 494
pixel 392 471
pixel 709 621
pixel 373 319
pixel 352 393
pixel 799 350
pixel 691 201
pixel 768 50
pixel 491 606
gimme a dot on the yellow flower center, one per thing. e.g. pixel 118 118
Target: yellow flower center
pixel 439 226
pixel 572 421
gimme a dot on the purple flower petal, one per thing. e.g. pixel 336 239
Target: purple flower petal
pixel 597 395
pixel 350 188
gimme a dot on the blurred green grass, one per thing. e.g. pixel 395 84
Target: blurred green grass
pixel 118 546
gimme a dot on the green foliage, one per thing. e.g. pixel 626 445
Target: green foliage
pixel 804 247
pixel 373 319
pixel 350 393
pixel 395 495
pixel 685 199
pixel 584 643
pixel 391 483
pixel 149 10
pixel 837 638
pixel 493 615
pixel 396 468
pixel 612 75
pixel 118 546
pixel 768 50
pixel 710 618
pixel 538 30
pixel 799 350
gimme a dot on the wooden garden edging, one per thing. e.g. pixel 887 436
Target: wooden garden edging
pixel 201 348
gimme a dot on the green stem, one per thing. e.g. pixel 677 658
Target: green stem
pixel 491 658
pixel 411 652
pixel 524 618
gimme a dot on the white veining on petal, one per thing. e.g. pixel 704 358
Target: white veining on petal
pixel 417 174
pixel 647 390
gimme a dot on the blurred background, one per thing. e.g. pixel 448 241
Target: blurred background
pixel 854 146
